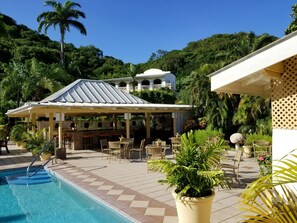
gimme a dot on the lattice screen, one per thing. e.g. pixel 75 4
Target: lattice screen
pixel 284 97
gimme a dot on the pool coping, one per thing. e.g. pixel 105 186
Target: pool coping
pixel 137 214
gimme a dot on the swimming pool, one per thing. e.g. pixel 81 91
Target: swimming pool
pixel 55 201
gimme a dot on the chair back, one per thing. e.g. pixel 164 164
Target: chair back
pixel 154 152
pixel 142 144
pixel 114 145
pixel 261 147
pixel 175 140
pixel 130 141
pixel 103 143
pixel 237 158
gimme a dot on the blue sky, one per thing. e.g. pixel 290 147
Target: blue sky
pixel 131 30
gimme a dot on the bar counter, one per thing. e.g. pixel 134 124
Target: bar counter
pixel 74 139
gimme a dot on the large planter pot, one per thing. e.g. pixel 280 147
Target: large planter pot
pixel 247 151
pixel 61 153
pixel 45 156
pixel 193 210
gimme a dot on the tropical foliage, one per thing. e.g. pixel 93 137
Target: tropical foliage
pixel 191 65
pixel 293 25
pixel 195 171
pixel 272 198
pixel 63 16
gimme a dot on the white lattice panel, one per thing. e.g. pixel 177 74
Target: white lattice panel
pixel 284 97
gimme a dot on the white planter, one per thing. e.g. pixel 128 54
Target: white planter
pixel 45 156
pixel 193 210
pixel 247 151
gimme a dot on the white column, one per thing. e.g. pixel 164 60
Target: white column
pixel 151 85
pixel 139 86
pixel 128 87
pixel 163 83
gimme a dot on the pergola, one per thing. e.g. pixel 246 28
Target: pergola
pixel 272 72
pixel 92 97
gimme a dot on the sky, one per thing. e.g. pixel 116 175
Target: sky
pixel 131 30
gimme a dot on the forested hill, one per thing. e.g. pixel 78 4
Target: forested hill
pixel 22 44
pixel 30 70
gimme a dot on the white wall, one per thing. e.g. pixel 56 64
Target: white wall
pixel 283 142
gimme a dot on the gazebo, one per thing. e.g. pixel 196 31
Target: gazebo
pixel 93 97
pixel 271 72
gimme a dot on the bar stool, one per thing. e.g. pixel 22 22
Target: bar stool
pixel 87 141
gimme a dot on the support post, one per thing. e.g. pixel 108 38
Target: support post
pixel 33 122
pixel 147 125
pixel 51 125
pixel 174 123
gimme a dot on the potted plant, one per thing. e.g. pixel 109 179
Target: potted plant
pixel 36 142
pixel 17 134
pixel 194 173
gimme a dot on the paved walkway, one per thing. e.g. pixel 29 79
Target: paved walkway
pixel 128 187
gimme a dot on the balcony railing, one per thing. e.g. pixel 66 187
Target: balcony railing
pixel 146 87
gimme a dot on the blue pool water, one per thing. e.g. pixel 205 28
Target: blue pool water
pixel 50 202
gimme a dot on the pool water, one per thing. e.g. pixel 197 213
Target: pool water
pixel 50 202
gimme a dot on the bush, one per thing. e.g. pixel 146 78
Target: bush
pixel 203 136
pixel 249 138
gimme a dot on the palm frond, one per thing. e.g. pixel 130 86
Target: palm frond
pixel 273 198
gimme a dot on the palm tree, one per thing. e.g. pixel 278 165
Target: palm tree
pixel 64 16
pixel 293 25
pixel 11 86
pixel 250 110
pixel 132 72
pixel 272 198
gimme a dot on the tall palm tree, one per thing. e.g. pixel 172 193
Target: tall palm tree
pixel 63 16
pixel 132 72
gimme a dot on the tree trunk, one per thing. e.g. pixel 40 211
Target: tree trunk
pixel 62 48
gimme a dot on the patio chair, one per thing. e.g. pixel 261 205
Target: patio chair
pixel 114 150
pixel 154 153
pixel 139 150
pixel 104 147
pixel 261 147
pixel 3 143
pixel 235 166
pixel 175 144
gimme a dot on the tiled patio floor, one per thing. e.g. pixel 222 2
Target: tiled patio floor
pixel 128 187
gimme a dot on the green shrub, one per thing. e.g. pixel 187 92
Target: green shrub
pixel 203 136
pixel 249 138
pixel 17 132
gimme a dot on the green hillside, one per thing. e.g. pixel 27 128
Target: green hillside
pixel 30 69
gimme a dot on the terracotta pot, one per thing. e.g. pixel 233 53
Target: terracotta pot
pixel 193 210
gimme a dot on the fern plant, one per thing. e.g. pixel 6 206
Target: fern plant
pixel 273 198
pixel 195 171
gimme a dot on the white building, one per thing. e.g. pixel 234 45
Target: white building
pixel 151 79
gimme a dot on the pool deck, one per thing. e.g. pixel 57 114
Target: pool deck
pixel 130 189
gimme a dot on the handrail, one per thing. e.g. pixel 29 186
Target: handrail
pixel 41 151
pixel 40 168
